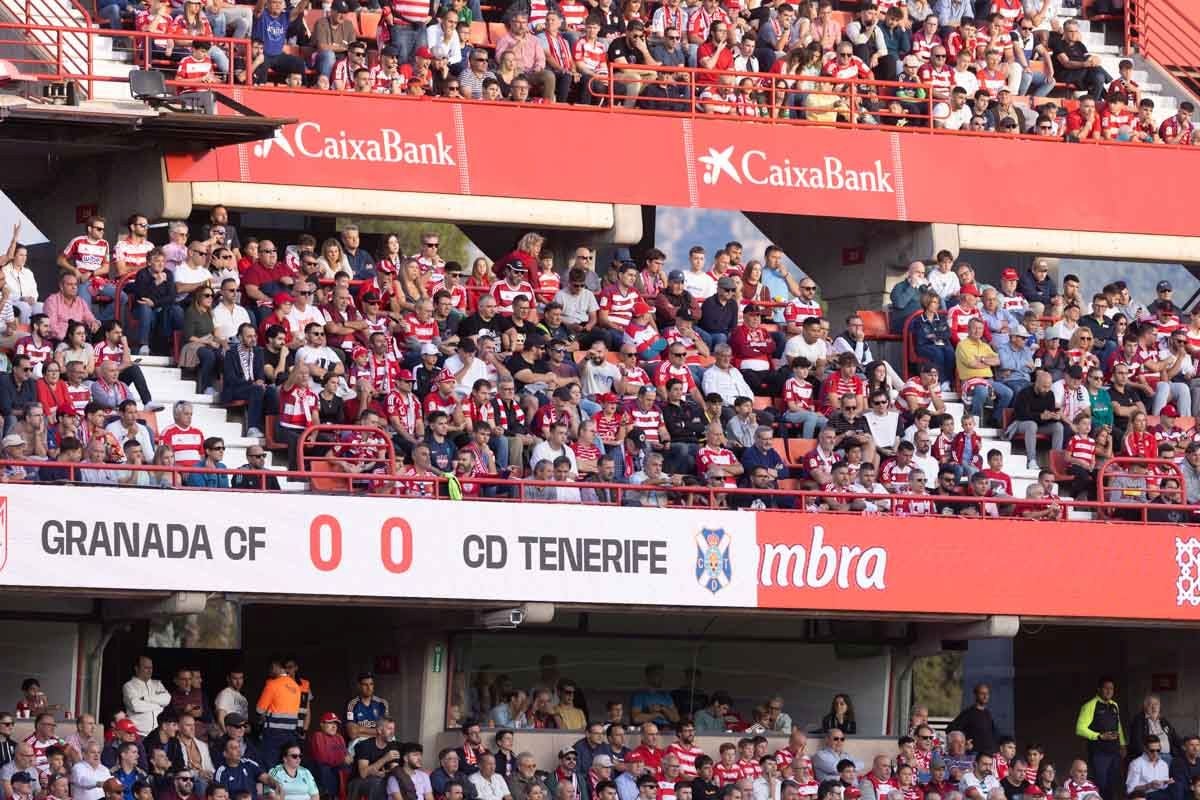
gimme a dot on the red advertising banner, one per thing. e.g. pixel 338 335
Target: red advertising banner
pixel 602 155
pixel 955 565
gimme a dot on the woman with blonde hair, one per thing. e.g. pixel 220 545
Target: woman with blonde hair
pixel 333 259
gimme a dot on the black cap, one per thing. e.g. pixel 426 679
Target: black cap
pixel 234 719
pixel 21 777
pixel 340 6
pixel 366 676
pixel 1075 371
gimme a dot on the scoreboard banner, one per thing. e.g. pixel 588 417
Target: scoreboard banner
pixel 506 150
pixel 107 538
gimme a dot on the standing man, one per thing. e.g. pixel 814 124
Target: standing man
pixel 145 697
pixel 1099 723
pixel 279 707
pixel 976 722
pixel 230 700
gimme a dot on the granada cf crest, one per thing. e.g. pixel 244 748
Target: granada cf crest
pixel 713 568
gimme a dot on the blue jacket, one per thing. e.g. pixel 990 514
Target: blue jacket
pixel 206 480
pixel 930 333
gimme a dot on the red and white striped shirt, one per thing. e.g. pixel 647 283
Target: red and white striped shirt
pixel 798 310
pixel 922 45
pixel 193 69
pixel 941 80
pixel 1083 448
pixel 188 443
pixel 80 396
pixel 708 457
pixel 837 385
pixel 647 421
pixel 405 408
pixel 436 401
pixel 750 768
pixel 38 354
pixel 667 17
pixel 504 294
pixel 87 256
pixel 423 332
pixel 701 20
pixel 297 407
pixel 726 775
pixel 414 11
pixel 618 304
pixel 131 252
pixel 592 55
pixel 1111 122
pixel 801 392
pixel 608 427
pixel 916 390
pixel 108 352
pixel 574 14
pixel 666 371
pixel 1010 12
pixel 894 476
pixel 958 319
pixel 687 757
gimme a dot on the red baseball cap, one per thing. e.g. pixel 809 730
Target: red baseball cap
pixel 970 289
pixel 404 375
pixel 281 298
pixel 423 52
pixel 1010 274
pixel 359 350
pixel 125 726
pixel 608 397
pixel 329 716
pixel 446 375
pixel 640 308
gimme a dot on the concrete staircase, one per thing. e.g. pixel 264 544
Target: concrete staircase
pixel 168 386
pixel 1154 85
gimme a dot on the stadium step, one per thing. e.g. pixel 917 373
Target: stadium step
pixel 168 386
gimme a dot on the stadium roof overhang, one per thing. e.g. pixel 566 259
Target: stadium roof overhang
pixel 34 137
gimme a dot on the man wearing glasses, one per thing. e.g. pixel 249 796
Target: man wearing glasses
pixel 428 257
pixel 256 459
pixel 193 272
pixel 130 253
pixel 826 759
pixel 86 257
pixel 625 55
pixel 1148 773
pixel 264 279
pixel 214 451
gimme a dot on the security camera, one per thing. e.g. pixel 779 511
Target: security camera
pixel 502 619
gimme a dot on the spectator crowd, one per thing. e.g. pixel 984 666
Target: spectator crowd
pixel 672 385
pixel 1008 66
pixel 177 744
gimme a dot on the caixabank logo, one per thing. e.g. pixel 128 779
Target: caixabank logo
pixel 757 168
pixel 385 146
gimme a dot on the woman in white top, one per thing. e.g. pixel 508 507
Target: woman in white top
pixel 21 283
pixel 88 776
pixel 445 33
pixel 75 347
pixel 294 781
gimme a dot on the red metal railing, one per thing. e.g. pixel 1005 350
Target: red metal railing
pixel 435 484
pixel 1167 32
pixel 850 98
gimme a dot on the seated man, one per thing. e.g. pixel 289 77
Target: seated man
pixel 974 361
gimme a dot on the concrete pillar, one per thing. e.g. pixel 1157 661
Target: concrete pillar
pixel 117 185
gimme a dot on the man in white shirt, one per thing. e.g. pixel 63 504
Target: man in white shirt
pixel 865 483
pixel 598 375
pixel 488 785
pixel 193 272
pixel 555 445
pixel 810 344
pixel 769 786
pixel 230 700
pixel 980 781
pixel 1148 772
pixel 725 379
pixel 228 315
pixel 472 362
pixel 319 356
pixel 144 696
pixel 303 311
pixel 883 422
pixel 578 303
pixel 923 456
pixel 698 283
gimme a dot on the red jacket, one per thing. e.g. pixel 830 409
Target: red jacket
pixel 327 749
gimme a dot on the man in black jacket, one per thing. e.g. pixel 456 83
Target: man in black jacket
pixel 18 391
pixel 976 722
pixel 154 306
pixel 245 379
pixel 1035 411
pixel 686 424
